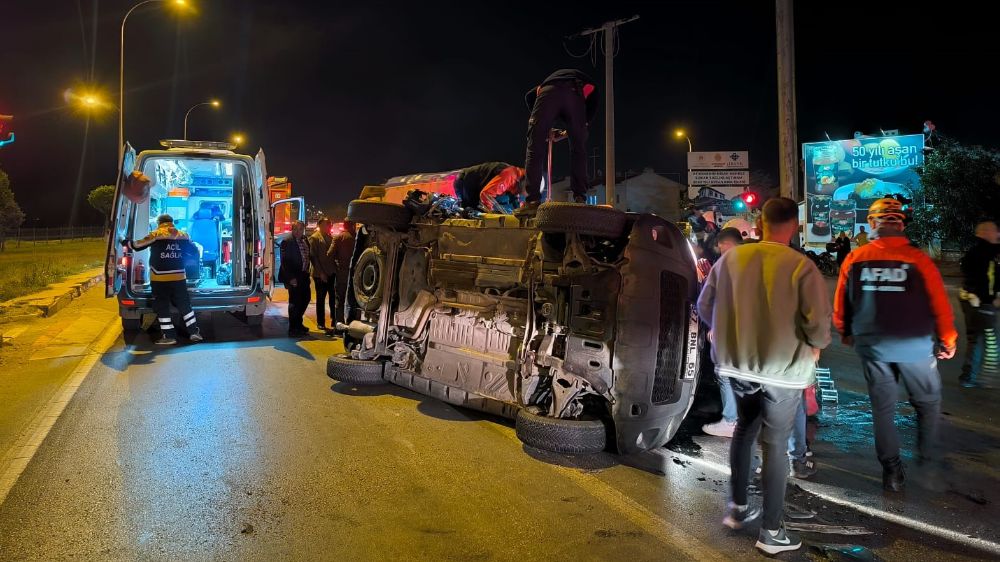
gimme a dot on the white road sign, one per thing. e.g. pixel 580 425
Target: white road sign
pixel 718 177
pixel 723 160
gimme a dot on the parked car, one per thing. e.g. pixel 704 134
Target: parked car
pixel 579 323
pixel 219 198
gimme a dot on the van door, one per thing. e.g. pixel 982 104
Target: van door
pixel 262 241
pixel 283 213
pixel 115 266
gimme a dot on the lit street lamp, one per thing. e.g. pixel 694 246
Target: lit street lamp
pixel 121 69
pixel 213 103
pixel 237 139
pixel 680 134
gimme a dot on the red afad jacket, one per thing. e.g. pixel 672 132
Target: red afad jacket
pixel 890 298
pixel 506 182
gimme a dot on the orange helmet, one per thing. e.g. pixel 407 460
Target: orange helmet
pixel 886 208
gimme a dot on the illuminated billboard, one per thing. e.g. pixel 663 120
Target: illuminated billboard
pixel 843 178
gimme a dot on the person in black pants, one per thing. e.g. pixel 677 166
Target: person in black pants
pixel 571 96
pixel 324 273
pixel 167 279
pixel 978 296
pixel 294 273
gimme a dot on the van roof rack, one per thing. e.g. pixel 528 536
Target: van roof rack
pixel 209 145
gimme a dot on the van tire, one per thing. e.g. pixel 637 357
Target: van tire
pixel 369 279
pixel 354 371
pixel 379 213
pixel 560 435
pixel 577 218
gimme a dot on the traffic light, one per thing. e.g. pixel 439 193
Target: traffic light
pixel 739 204
pixel 750 198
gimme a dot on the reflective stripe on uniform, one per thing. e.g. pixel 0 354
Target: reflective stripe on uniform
pixel 163 320
pixel 189 315
pixel 154 270
pixel 189 322
pixel 166 326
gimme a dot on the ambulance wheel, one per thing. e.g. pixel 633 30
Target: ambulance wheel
pixel 577 218
pixel 379 213
pixel 354 371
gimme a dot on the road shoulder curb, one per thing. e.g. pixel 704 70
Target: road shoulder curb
pixel 52 306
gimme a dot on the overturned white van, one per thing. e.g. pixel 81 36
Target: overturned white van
pixel 219 198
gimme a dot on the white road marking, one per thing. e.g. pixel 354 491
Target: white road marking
pixel 14 463
pixel 828 493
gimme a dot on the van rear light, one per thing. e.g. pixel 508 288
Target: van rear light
pixel 260 255
pixel 128 302
pixel 253 299
pixel 267 278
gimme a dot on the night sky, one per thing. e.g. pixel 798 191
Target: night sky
pixel 341 95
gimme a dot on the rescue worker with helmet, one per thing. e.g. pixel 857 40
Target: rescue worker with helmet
pixel 892 307
pixel 167 247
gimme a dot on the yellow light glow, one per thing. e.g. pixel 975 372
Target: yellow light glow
pixel 679 133
pixel 215 103
pixel 237 139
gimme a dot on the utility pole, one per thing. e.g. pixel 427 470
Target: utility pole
pixel 610 29
pixel 787 137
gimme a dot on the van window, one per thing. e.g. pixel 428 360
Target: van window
pixel 205 197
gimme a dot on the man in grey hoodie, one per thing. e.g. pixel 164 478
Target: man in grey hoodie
pixel 768 312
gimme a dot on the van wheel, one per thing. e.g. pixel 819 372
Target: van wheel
pixel 589 220
pixel 368 279
pixel 354 371
pixel 559 435
pixel 379 213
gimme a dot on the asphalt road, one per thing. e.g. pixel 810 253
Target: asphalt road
pixel 243 449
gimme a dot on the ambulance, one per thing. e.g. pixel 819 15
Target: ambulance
pixel 222 201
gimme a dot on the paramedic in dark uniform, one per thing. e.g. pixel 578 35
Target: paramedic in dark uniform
pixel 892 307
pixel 570 96
pixel 294 273
pixel 167 248
pixel 481 185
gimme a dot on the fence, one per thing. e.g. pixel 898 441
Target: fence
pixel 54 234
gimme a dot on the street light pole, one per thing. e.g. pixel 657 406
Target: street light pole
pixel 121 72
pixel 213 103
pixel 610 29
pixel 121 75
pixel 787 139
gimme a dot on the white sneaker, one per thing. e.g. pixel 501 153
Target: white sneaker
pixel 721 428
pixel 196 337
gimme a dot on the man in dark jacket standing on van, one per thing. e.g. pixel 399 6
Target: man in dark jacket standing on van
pixel 167 247
pixel 571 96
pixel 294 274
pixel 778 297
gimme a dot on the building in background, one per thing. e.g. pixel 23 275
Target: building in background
pixel 637 192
